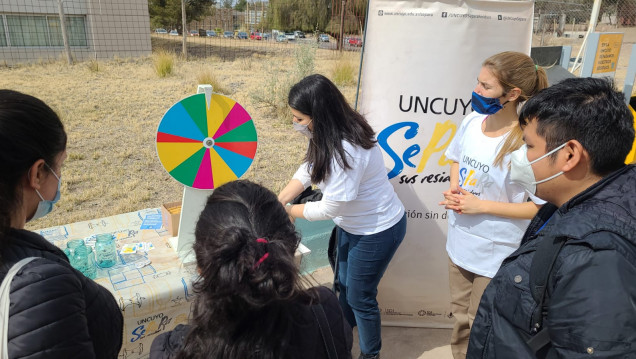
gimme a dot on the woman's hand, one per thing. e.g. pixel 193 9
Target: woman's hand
pixel 288 209
pixel 450 200
pixel 466 203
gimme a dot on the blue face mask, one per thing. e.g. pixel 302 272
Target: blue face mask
pixel 485 105
pixel 45 206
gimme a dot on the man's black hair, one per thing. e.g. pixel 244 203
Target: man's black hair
pixel 588 110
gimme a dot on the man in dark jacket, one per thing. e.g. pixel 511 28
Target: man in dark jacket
pixel 577 133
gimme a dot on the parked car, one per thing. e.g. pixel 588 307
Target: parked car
pixel 281 38
pixel 266 35
pixel 299 34
pixel 290 36
pixel 228 34
pixel 323 38
pixel 210 33
pixel 355 41
pixel 242 35
pixel 174 33
pixel 194 32
pixel 161 31
pixel 256 36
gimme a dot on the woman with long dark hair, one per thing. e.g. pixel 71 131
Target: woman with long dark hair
pixel 345 162
pixel 250 303
pixel 55 311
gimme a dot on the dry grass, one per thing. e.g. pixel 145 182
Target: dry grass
pixel 92 65
pixel 164 63
pixel 345 70
pixel 111 117
pixel 206 77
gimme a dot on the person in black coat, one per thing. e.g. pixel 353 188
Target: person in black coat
pixel 578 134
pixel 55 311
pixel 250 303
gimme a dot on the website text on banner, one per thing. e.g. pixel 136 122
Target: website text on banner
pixel 415 94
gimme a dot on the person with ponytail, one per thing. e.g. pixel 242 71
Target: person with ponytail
pixel 250 302
pixel 488 213
pixel 55 311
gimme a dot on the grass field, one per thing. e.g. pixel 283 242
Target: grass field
pixel 111 111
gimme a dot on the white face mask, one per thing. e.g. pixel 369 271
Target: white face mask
pixel 521 169
pixel 304 129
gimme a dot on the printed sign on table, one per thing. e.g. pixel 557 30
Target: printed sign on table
pixel 150 284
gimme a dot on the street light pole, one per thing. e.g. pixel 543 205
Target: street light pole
pixel 342 17
pixel 183 27
pixel 67 47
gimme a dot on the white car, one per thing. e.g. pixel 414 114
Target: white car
pixel 290 36
pixel 323 38
pixel 161 31
pixel 174 33
pixel 281 38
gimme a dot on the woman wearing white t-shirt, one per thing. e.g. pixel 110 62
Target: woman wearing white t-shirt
pixel 488 214
pixel 344 160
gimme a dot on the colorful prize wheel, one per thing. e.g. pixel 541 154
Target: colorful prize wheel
pixel 205 147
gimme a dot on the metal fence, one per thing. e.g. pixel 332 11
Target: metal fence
pixel 76 30
pixel 566 23
pixel 228 31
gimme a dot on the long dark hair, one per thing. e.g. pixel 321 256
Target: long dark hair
pixel 333 121
pixel 244 249
pixel 29 130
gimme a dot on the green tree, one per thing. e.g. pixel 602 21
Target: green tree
pixel 227 4
pixel 240 5
pixel 298 15
pixel 167 13
pixel 354 18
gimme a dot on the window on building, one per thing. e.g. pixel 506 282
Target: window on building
pixel 27 30
pixel 3 36
pixel 43 30
pixel 75 30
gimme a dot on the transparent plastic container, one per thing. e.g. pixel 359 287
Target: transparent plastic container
pixel 84 261
pixel 105 250
pixel 72 245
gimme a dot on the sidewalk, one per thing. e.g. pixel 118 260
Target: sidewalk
pixel 399 342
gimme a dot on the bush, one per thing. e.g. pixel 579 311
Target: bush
pixel 344 72
pixel 277 84
pixel 305 56
pixel 164 63
pixel 93 66
pixel 206 77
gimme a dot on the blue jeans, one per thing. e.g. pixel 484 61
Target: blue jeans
pixel 362 260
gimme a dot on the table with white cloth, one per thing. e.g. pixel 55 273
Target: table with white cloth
pixel 152 286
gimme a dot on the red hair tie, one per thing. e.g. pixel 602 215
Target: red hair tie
pixel 264 257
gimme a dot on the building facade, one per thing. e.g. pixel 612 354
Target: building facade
pixel 30 30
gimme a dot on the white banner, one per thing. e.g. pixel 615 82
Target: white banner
pixel 421 61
